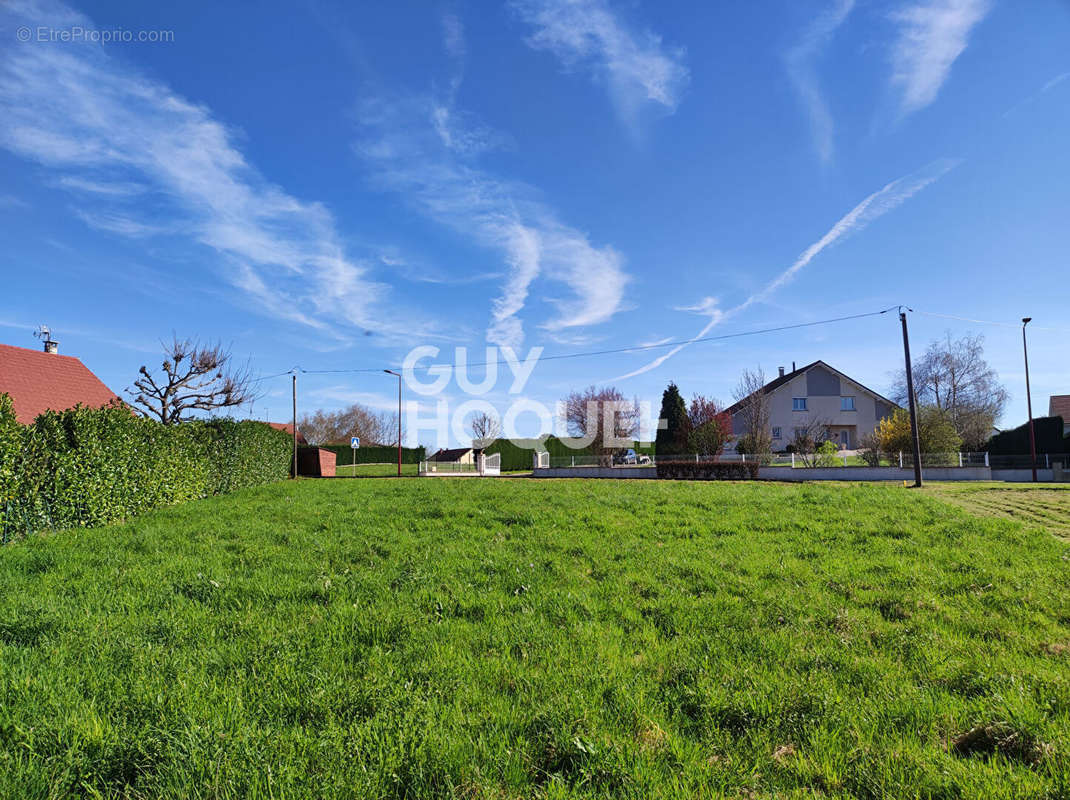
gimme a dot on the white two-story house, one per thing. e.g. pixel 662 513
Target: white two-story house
pixel 818 394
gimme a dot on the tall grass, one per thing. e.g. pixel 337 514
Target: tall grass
pixel 513 638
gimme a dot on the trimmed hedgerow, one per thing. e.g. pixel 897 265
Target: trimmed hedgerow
pixel 708 470
pixel 375 454
pixel 93 466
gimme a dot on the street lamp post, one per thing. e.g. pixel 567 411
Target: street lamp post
pixel 398 376
pixel 1029 402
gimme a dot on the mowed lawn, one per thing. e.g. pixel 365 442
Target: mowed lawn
pixel 522 638
pixel 374 470
pixel 1045 505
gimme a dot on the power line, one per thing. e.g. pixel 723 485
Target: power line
pixel 989 322
pixel 611 351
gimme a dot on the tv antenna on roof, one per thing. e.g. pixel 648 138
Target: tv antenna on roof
pixel 45 334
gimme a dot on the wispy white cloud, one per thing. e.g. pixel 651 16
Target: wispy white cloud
pixel 637 67
pixel 931 35
pixel 408 156
pixel 119 223
pixel 453 36
pixel 111 188
pixel 1054 82
pixel 878 204
pixel 800 62
pixel 1047 87
pixel 75 109
pixel 857 219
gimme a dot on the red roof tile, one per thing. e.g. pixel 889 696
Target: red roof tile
pixel 39 381
pixel 288 427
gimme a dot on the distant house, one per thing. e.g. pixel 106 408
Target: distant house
pixel 456 455
pixel 40 381
pixel 288 429
pixel 818 394
pixel 1059 406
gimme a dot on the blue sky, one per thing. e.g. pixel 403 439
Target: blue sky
pixel 330 184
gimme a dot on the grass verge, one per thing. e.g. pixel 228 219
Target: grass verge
pixel 483 638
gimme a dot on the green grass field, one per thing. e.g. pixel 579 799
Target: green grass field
pixel 520 638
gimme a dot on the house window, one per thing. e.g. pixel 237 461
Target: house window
pixel 776 433
pixel 798 404
pixel 847 404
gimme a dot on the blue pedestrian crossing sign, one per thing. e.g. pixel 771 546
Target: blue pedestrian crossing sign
pixel 354 442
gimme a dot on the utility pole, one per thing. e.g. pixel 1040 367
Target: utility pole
pixel 1029 402
pixel 914 437
pixel 295 425
pixel 391 372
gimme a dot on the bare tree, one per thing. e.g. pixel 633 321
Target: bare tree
pixel 195 378
pixel 604 418
pixel 807 442
pixel 753 402
pixel 952 375
pixel 373 427
pixel 485 429
pixel 709 428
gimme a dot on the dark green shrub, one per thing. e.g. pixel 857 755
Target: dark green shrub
pixel 708 470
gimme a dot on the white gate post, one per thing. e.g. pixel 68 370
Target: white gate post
pixel 793 459
pixel 960 458
pixel 900 459
pixel 986 458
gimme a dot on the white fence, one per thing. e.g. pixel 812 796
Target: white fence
pixel 485 465
pixel 842 458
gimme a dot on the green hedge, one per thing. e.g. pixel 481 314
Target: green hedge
pixel 518 457
pixel 375 454
pixel 95 466
pixel 1015 442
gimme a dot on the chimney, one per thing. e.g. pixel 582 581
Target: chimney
pixel 781 371
pixel 44 334
pixel 792 366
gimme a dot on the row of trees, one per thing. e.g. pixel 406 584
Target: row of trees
pixel 375 428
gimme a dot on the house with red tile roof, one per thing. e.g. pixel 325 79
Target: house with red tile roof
pixel 1059 406
pixel 38 381
pixel 288 428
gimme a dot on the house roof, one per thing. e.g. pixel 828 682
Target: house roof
pixel 39 381
pixel 1059 406
pixel 454 454
pixel 780 380
pixel 288 428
